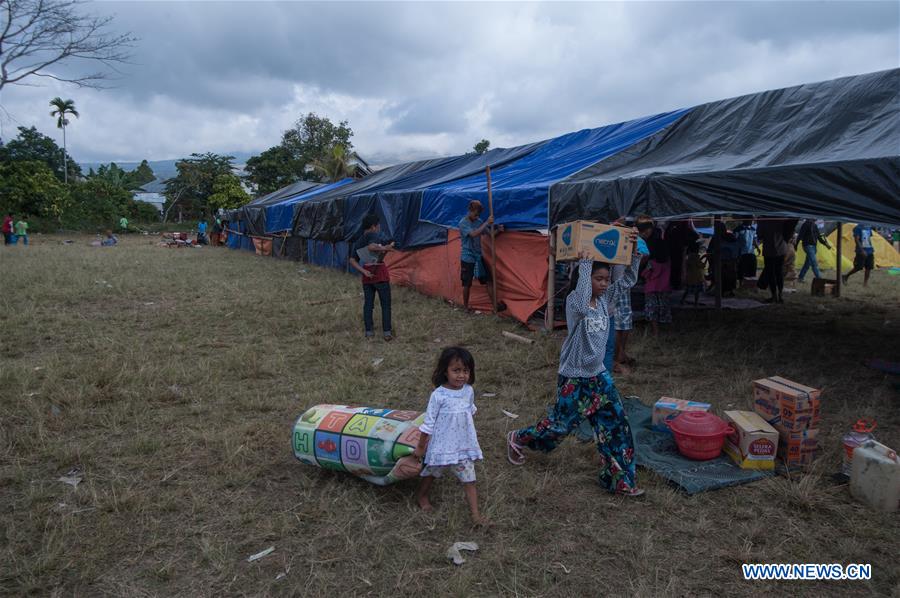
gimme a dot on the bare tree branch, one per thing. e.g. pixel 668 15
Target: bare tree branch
pixel 38 37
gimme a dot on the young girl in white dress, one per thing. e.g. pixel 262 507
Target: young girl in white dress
pixel 448 440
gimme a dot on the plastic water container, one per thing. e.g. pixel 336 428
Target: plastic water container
pixel 875 478
pixel 861 432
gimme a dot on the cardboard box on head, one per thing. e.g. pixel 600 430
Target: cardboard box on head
pixel 602 242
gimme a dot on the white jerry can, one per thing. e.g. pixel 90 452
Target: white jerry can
pixel 875 477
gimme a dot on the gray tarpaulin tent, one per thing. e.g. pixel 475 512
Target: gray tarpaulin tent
pixel 824 150
pixel 253 214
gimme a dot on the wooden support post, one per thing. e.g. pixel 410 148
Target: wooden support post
pixel 516 337
pixel 717 265
pixel 551 284
pixel 493 248
pixel 838 282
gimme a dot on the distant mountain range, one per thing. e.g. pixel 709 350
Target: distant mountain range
pixel 163 169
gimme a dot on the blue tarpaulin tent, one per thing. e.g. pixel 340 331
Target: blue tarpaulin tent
pixel 521 189
pixel 824 149
pixel 279 216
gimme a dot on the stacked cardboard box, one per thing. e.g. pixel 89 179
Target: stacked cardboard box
pixel 794 410
pixel 822 286
pixel 754 442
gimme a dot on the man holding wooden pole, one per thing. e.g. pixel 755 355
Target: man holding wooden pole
pixel 472 265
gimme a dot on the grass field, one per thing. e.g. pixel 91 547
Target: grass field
pixel 172 378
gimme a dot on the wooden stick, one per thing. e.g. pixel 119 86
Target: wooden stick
pixel 328 301
pixel 516 337
pixel 717 265
pixel 839 281
pixel 551 284
pixel 493 248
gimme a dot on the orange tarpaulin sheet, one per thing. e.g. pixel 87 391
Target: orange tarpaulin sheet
pixel 521 272
pixel 263 246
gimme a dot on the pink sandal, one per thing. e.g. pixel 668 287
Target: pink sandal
pixel 514 449
pixel 633 493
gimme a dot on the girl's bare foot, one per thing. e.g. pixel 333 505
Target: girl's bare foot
pixel 425 504
pixel 621 368
pixel 482 521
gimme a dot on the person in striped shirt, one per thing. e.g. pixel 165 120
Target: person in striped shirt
pixel 585 389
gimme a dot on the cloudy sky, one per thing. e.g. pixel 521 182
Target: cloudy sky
pixel 422 79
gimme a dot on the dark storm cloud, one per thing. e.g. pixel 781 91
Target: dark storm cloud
pixel 417 79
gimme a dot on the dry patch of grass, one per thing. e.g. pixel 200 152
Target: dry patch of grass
pixel 171 378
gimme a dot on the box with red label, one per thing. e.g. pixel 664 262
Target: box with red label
pixel 785 404
pixel 798 448
pixel 754 442
pixel 602 242
pixel 667 408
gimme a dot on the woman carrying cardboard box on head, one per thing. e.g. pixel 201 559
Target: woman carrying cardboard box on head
pixel 585 389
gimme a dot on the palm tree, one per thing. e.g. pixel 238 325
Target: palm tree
pixel 334 165
pixel 61 108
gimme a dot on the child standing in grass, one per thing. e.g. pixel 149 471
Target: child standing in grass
pixel 448 440
pixel 693 277
pixel 657 291
pixel 22 231
pixel 367 258
pixel 585 389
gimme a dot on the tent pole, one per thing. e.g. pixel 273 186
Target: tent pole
pixel 718 263
pixel 493 248
pixel 551 284
pixel 837 283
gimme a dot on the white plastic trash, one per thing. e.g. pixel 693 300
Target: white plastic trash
pixel 875 477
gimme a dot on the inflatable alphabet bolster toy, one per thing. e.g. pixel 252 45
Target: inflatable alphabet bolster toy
pixel 374 444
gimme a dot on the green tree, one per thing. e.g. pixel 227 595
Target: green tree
pixel 141 175
pixel 311 141
pixel 31 188
pixel 141 211
pixel 112 175
pixel 62 108
pixel 313 138
pixel 191 187
pixel 97 202
pixel 119 177
pixel 271 170
pixel 32 145
pixel 333 166
pixel 482 146
pixel 227 193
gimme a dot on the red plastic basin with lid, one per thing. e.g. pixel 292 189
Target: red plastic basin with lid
pixel 699 435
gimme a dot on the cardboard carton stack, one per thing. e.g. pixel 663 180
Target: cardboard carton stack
pixel 794 410
pixel 754 442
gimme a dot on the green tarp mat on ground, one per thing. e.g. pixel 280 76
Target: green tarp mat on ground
pixel 657 451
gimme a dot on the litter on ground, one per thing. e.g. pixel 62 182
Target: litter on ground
pixel 72 478
pixel 454 554
pixel 261 554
